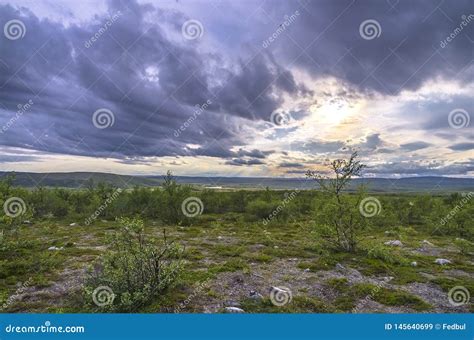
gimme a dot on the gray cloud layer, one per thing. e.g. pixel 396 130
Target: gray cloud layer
pixel 152 79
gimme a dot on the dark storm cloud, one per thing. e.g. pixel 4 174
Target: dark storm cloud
pixel 240 162
pixel 291 165
pixel 150 83
pixel 325 39
pixel 415 146
pixel 436 168
pixel 17 158
pixel 462 147
pixel 151 78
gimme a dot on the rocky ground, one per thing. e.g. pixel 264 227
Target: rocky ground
pixel 246 267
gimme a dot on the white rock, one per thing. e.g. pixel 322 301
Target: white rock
pixel 73 224
pixel 306 270
pixel 255 295
pixel 414 264
pixel 428 243
pixel 275 247
pixel 442 261
pixel 395 243
pixel 234 310
pixel 340 267
pixel 55 248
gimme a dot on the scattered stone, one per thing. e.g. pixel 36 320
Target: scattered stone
pixel 279 291
pixel 307 270
pixel 442 261
pixel 275 247
pixel 55 248
pixel 387 278
pixel 27 222
pixel 231 303
pixel 234 310
pixel 73 224
pixel 414 264
pixel 428 243
pixel 340 267
pixel 293 259
pixel 255 295
pixel 394 243
pixel 219 237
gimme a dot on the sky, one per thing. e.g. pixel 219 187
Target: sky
pixel 237 88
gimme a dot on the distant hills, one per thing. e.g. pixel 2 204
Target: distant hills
pixel 84 179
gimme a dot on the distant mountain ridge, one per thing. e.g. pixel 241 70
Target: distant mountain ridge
pixel 83 179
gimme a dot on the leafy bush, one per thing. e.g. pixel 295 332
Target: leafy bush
pixel 380 252
pixel 134 271
pixel 268 211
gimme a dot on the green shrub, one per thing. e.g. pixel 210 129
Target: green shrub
pixel 134 271
pixel 380 252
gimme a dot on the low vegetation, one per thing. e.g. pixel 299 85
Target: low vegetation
pixel 235 245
